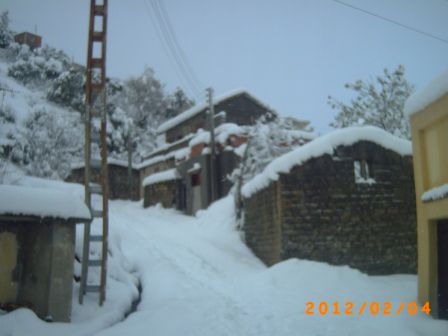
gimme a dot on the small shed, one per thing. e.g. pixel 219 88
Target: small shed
pixel 118 175
pixel 161 188
pixel 428 112
pixel 345 198
pixel 32 40
pixel 37 245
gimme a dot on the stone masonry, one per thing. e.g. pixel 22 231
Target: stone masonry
pixel 318 212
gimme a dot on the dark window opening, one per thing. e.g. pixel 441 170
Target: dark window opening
pixel 195 179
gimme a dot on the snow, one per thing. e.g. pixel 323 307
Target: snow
pixel 41 202
pixel 436 193
pixel 297 134
pixel 198 278
pixel 434 90
pixel 110 161
pixel 203 106
pixel 325 145
pixel 167 175
pixel 201 137
pixel 224 131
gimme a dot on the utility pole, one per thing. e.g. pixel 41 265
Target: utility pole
pixel 130 149
pixel 211 124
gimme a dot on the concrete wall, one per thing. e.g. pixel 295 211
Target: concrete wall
pixel 326 216
pixel 44 270
pixel 164 193
pixel 430 143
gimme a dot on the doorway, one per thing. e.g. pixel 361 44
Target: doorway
pixel 8 263
pixel 442 268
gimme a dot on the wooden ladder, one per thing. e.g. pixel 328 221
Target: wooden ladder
pixel 95 140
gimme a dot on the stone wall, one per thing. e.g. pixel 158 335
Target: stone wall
pixel 326 216
pixel 262 224
pixel 163 193
pixel 118 181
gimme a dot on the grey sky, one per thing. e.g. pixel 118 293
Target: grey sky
pixel 292 54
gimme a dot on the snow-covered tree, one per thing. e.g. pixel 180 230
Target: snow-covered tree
pixel 119 133
pixel 68 89
pixel 177 102
pixel 379 103
pixel 6 35
pixel 48 144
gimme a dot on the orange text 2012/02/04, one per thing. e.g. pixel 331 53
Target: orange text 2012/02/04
pixel 372 308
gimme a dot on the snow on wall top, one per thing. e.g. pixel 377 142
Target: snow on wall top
pixel 167 175
pixel 435 89
pixel 110 161
pixel 436 193
pixel 325 145
pixel 200 107
pixel 41 202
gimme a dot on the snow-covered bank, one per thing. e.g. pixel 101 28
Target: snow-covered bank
pixel 198 278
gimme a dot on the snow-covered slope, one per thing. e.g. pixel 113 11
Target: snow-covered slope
pixel 198 278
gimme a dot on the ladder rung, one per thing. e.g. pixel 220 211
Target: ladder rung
pixel 94 262
pixel 97 213
pixel 98 10
pixel 92 288
pixel 97 62
pixel 97 36
pixel 96 238
pixel 95 188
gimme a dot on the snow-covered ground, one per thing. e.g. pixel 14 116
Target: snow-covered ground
pixel 198 278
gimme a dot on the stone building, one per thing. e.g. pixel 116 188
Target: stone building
pixel 118 179
pixel 428 111
pixel 32 40
pixel 345 198
pixel 161 188
pixel 37 249
pixel 188 150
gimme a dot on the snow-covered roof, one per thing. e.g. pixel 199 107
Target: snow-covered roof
pixel 166 175
pixel 325 144
pixel 436 193
pixel 224 131
pixel 41 202
pixel 201 107
pixel 434 90
pixel 111 161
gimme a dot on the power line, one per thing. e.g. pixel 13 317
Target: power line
pixel 415 30
pixel 174 48
pixel 181 52
pixel 166 48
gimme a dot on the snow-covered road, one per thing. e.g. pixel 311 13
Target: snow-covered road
pixel 198 278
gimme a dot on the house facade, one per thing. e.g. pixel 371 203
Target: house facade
pixel 428 111
pixel 188 151
pixel 32 40
pixel 345 198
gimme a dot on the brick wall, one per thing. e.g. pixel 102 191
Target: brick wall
pixel 326 216
pixel 163 193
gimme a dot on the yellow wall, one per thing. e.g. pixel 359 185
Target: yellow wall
pixel 430 147
pixel 8 261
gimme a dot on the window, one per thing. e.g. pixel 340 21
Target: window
pixel 363 172
pixel 195 179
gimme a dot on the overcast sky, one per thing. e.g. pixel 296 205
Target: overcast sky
pixel 291 54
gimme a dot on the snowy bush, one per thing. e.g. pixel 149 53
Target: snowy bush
pixel 68 90
pixel 119 130
pixel 6 35
pixel 7 114
pixel 48 144
pixel 39 65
